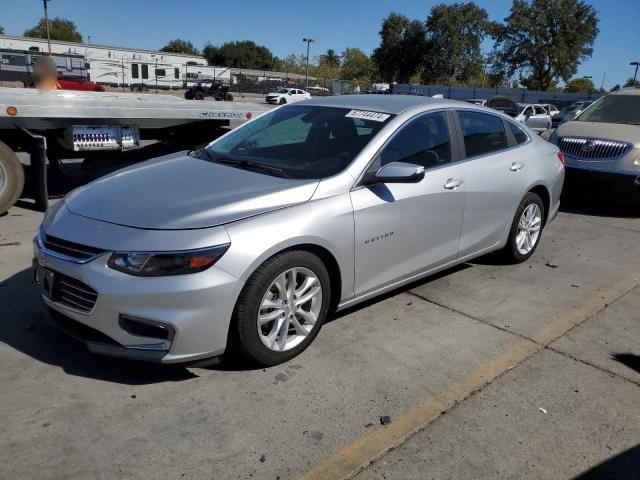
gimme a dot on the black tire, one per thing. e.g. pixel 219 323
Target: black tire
pixel 282 101
pixel 188 95
pixel 199 96
pixel 11 178
pixel 510 251
pixel 244 338
pixel 228 97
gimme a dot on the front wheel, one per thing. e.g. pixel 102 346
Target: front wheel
pixel 228 97
pixel 283 101
pixel 281 308
pixel 526 229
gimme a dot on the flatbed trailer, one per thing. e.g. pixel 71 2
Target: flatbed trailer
pixel 64 124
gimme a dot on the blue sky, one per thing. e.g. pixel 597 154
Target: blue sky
pixel 281 25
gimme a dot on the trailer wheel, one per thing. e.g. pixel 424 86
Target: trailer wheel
pixel 228 97
pixel 11 178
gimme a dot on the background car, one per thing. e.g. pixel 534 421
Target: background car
pixel 74 83
pixel 550 108
pixel 601 145
pixel 247 244
pixel 536 117
pixel 287 95
pixel 569 113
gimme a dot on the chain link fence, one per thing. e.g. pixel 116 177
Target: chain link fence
pixel 520 95
pixel 262 82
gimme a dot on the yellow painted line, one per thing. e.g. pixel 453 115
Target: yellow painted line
pixel 358 454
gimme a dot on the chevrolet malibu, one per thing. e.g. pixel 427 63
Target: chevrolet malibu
pixel 249 243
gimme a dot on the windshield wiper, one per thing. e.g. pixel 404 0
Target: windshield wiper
pixel 246 164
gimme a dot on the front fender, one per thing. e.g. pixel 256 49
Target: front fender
pixel 326 223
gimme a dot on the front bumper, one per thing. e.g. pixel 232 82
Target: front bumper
pixel 197 308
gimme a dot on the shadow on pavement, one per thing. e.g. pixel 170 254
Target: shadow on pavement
pixel 629 360
pixel 624 466
pixel 597 203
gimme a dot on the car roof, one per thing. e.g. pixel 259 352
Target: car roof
pixel 393 104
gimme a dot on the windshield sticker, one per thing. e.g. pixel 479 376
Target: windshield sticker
pixel 366 115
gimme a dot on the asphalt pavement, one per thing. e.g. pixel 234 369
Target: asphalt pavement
pixel 484 371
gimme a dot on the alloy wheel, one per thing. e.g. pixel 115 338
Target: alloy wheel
pixel 289 309
pixel 529 228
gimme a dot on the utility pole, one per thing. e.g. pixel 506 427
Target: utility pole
pixel 602 83
pixel 636 73
pixel 46 22
pixel 156 74
pixel 308 41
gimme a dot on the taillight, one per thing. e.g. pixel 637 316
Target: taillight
pixel 561 157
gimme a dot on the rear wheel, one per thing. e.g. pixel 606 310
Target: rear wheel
pixel 11 178
pixel 281 308
pixel 228 97
pixel 526 229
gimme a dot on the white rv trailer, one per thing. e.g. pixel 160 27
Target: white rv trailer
pixel 134 68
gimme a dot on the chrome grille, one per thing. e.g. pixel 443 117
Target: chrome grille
pixel 592 148
pixel 70 249
pixel 73 293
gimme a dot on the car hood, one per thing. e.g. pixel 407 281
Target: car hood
pixel 179 192
pixel 611 131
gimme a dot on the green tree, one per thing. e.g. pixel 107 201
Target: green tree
pixel 576 85
pixel 403 44
pixel 243 54
pixel 631 83
pixel 454 35
pixel 615 88
pixel 59 29
pixel 1 30
pixel 331 58
pixel 180 46
pixel 328 66
pixel 291 64
pixel 545 40
pixel 356 65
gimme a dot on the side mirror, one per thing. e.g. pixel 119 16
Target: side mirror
pixel 396 172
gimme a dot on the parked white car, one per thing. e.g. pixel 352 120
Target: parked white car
pixel 534 116
pixel 551 108
pixel 287 95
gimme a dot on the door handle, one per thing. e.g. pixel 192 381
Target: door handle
pixel 515 166
pixel 453 183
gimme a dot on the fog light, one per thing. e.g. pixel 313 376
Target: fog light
pixel 143 327
pixel 636 162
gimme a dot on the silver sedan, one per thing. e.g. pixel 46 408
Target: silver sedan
pixel 307 209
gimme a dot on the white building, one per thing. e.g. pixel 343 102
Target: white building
pixel 119 66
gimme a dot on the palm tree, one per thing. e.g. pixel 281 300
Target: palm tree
pixel 331 58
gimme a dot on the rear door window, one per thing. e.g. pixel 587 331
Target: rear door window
pixel 483 133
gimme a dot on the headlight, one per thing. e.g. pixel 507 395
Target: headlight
pixel 158 264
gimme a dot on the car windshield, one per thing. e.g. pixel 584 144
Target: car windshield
pixel 613 109
pixel 283 90
pixel 302 141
